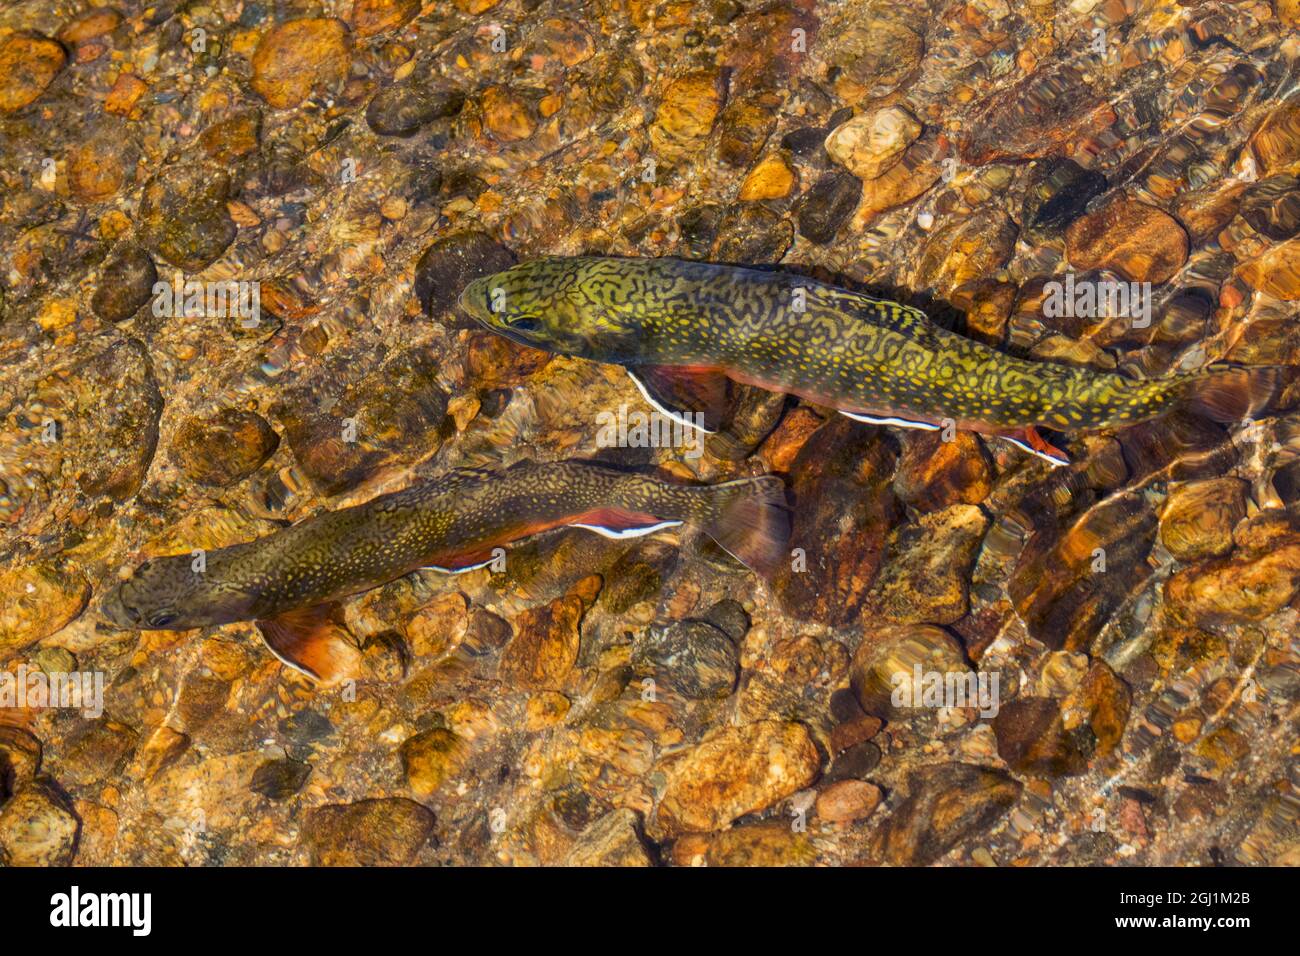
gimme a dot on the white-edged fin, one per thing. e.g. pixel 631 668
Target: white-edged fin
pixel 626 532
pixel 677 415
pixel 466 568
pixel 1052 459
pixel 898 422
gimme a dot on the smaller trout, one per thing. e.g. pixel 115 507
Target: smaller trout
pixel 681 328
pixel 291 580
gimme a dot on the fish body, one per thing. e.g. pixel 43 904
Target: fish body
pixel 450 524
pixel 869 358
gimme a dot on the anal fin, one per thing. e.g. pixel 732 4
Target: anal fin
pixel 617 523
pixel 696 397
pixel 314 641
pixel 894 420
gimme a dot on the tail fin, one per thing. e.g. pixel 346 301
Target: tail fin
pixel 1232 393
pixel 750 520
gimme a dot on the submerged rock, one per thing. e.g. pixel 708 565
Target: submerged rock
pixel 38 827
pixel 298 56
pixel 225 447
pixel 737 771
pixel 125 284
pixel 382 832
pixel 1040 735
pixel 946 804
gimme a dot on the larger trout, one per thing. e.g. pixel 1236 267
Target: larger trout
pixel 682 328
pixel 290 580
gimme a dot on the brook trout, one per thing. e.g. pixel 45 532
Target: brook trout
pixel 290 580
pixel 682 328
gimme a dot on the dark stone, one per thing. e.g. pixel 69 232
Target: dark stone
pixel 125 284
pixel 452 263
pixel 279 779
pixel 401 110
pixel 183 215
pixel 1059 191
pixel 692 658
pixel 730 618
pixel 306 727
pixel 854 763
pixel 1272 207
pixel 752 233
pixel 828 205
pixel 698 228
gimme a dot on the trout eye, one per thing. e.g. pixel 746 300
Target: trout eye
pixel 524 323
pixel 161 618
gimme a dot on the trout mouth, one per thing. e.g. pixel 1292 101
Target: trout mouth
pixel 474 302
pixel 114 608
pixel 119 607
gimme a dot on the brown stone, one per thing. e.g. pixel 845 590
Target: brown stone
pixel 919 168
pixel 767 843
pixel 947 803
pixel 1275 144
pixel 431 758
pixel 853 732
pixel 848 801
pixel 1068 582
pixel 28 64
pixel 1276 272
pixel 1140 242
pixel 846 506
pixel 1062 738
pixel 926 578
pixel 1047 112
pixel 298 56
pixel 1199 516
pixel 381 832
pixel 1248 585
pixel 933 473
pixel 38 827
pixel 686 114
pixel 889 655
pixel 613 840
pixel 506 115
pixel 968 248
pixel 1203 212
pixel 874 55
pixel 38 598
pixel 379 16
pixel 225 447
pixel 736 771
pixel 770 179
pixel 545 645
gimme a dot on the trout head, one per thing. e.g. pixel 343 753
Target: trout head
pixel 560 305
pixel 169 594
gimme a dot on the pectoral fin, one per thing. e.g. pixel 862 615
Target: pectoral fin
pixel 1029 439
pixel 314 641
pixel 693 396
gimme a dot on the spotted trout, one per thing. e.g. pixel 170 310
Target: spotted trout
pixel 290 581
pixel 682 328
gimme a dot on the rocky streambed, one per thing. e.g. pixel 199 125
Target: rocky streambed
pixel 1127 623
